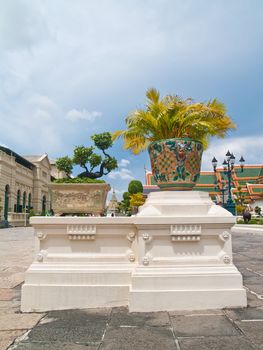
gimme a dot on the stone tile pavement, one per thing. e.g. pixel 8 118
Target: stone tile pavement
pixel 117 329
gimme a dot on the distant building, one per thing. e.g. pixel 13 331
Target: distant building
pixel 247 184
pixel 113 205
pixel 23 185
pixel 55 173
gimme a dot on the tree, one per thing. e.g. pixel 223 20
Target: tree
pixel 136 199
pixel 173 117
pixel 125 203
pixel 65 164
pixel 135 186
pixel 87 159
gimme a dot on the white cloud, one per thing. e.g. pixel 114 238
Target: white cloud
pixel 22 25
pixel 124 163
pixel 123 174
pixel 42 115
pixel 76 115
pixel 42 101
pixel 250 147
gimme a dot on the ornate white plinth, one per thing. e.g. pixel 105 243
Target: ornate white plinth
pixel 175 254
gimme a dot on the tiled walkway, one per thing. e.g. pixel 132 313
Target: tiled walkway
pixel 116 329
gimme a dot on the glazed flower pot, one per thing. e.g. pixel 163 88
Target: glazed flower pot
pixel 176 163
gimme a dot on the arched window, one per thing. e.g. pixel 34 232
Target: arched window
pixel 24 200
pixel 44 204
pixel 29 201
pixel 6 204
pixel 18 201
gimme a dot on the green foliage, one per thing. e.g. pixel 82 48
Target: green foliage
pixel 124 206
pixel 102 141
pixel 86 158
pixel 240 209
pixel 79 180
pixel 110 164
pixel 258 210
pixel 136 199
pixel 64 164
pixel 171 117
pixel 253 221
pixel 126 196
pixel 33 213
pixel 133 198
pixel 135 186
pixel 82 155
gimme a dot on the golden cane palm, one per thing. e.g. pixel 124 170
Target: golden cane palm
pixel 174 117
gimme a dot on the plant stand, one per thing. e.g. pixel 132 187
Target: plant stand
pixel 175 254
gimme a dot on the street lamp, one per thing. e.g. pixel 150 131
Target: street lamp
pixel 221 189
pixel 228 166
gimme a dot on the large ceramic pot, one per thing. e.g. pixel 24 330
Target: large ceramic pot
pixel 79 198
pixel 176 163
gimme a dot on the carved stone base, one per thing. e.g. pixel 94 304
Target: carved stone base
pixel 186 288
pixel 69 287
pixel 175 254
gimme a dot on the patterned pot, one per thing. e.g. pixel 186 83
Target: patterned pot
pixel 176 163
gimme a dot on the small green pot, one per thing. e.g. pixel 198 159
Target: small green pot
pixel 176 163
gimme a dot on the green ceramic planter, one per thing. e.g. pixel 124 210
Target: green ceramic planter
pixel 176 163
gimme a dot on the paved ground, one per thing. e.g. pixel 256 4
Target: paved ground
pixel 116 329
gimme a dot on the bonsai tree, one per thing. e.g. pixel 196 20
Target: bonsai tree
pixel 87 159
pixel 174 117
pixel 137 199
pixel 132 198
pixel 135 186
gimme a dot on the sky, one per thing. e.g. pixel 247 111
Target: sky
pixel 73 68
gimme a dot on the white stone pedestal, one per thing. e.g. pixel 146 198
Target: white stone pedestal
pixel 175 254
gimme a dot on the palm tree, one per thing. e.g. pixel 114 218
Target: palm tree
pixel 174 117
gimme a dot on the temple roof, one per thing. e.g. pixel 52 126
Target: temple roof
pixel 249 181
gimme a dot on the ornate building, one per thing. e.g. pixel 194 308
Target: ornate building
pixel 247 184
pixel 23 185
pixel 113 204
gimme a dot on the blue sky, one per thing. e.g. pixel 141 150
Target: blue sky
pixel 70 69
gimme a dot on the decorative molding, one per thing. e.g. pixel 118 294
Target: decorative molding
pixel 81 232
pixel 146 260
pixel 131 236
pixel 41 255
pixel 227 259
pixel 41 236
pixel 185 233
pixel 146 237
pixel 224 236
pixel 130 255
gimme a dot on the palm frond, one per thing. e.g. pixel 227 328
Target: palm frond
pixel 172 116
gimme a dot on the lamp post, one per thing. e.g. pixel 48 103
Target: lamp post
pixel 228 166
pixel 222 189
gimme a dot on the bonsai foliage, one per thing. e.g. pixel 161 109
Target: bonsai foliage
pixel 87 159
pixel 124 205
pixel 136 199
pixel 135 186
pixel 132 198
pixel 174 117
pixel 65 164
